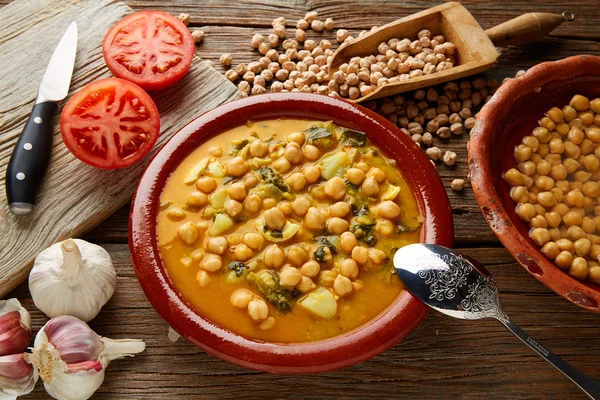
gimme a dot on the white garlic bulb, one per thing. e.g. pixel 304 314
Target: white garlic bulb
pixel 71 358
pixel 15 327
pixel 74 278
pixel 17 376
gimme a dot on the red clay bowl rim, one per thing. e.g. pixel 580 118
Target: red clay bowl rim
pixel 480 170
pixel 391 325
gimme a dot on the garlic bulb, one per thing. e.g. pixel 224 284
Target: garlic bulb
pixel 17 376
pixel 15 331
pixel 72 278
pixel 71 357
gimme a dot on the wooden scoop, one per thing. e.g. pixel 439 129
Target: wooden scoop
pixel 475 48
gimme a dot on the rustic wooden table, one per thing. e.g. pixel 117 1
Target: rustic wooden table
pixel 443 358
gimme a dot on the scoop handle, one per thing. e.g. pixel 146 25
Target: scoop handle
pixel 585 383
pixel 526 28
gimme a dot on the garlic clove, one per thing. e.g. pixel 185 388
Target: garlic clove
pixel 73 339
pixel 15 332
pixel 72 358
pixel 74 278
pixel 17 376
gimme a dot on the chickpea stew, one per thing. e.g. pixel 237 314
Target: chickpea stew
pixel 284 230
pixel 556 185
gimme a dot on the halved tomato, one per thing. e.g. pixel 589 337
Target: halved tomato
pixel 150 48
pixel 111 123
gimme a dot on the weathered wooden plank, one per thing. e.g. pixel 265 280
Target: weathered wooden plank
pixel 74 197
pixel 363 14
pixel 442 359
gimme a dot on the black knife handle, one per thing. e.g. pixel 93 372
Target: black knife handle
pixel 30 158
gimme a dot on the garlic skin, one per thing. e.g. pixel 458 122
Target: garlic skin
pixel 74 278
pixel 15 327
pixel 72 358
pixel 17 376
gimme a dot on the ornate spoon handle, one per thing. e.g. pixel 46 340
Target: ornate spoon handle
pixel 588 385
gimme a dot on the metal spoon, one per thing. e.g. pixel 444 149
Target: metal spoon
pixel 455 285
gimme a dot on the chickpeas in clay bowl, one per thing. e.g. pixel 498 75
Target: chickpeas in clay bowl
pixel 264 231
pixel 534 159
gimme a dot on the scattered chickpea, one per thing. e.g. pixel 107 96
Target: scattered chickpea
pixel 185 18
pixel 226 59
pixel 457 185
pixel 197 36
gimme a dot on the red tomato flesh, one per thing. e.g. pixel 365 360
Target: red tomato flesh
pixel 111 123
pixel 150 48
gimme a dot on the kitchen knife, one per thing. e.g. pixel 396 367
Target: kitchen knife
pixel 31 155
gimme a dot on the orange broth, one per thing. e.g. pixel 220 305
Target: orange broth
pixel 380 284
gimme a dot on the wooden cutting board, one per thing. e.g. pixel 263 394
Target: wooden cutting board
pixel 74 197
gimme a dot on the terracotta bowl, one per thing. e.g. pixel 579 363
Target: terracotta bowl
pixel 391 325
pixel 512 113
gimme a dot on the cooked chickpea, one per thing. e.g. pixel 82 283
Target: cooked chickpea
pixel 582 246
pixel 355 176
pixel 339 209
pixel 388 209
pixel 252 203
pixel 282 165
pixel 289 276
pixel 241 252
pixel 342 286
pixel 310 269
pixel 253 240
pixel 370 187
pixel 258 309
pixel 335 188
pixel 594 273
pixel 188 232
pixel 376 256
pixel 275 219
pixel 337 225
pixel 314 219
pixel 349 268
pixel 293 153
pixel 551 250
pixel 237 166
pixel 241 298
pixel 206 184
pixel 540 236
pixel 258 148
pixel 571 218
pixel 306 284
pixel 296 137
pixel 526 211
pixel 217 245
pixel 579 268
pixel 360 254
pixel 237 191
pixel 274 256
pixel 575 198
pixel 233 207
pixel 267 323
pixel 377 173
pixel 348 242
pixel 301 205
pixel 312 174
pixel 575 232
pixel 312 153
pixel 203 278
pixel 564 259
pixel 212 263
pixel 175 214
pixel 513 177
pixel 580 103
pixel 234 240
pixel 197 199
pixel 297 255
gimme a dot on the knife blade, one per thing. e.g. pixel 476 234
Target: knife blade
pixel 31 155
